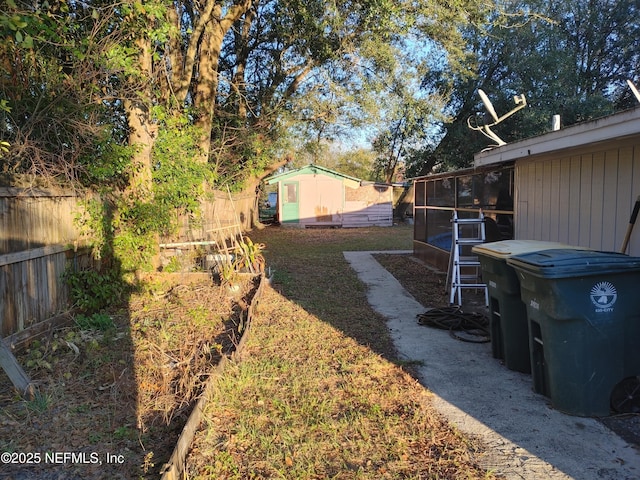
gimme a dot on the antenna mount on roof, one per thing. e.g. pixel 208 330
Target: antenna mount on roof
pixel 634 89
pixel 484 127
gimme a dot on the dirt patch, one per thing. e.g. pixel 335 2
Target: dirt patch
pixel 115 389
pixel 427 284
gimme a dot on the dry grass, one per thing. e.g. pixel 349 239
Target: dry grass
pixel 318 394
pixel 126 389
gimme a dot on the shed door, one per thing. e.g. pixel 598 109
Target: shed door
pixel 290 202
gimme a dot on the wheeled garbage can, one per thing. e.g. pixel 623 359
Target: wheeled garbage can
pixel 508 326
pixel 583 308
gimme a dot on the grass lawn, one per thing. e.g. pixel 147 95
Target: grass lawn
pixel 318 393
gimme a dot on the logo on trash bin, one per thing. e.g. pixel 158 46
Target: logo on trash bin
pixel 603 296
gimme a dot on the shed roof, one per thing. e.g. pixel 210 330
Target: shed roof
pixel 616 126
pixel 311 169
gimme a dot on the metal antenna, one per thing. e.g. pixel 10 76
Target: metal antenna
pixel 485 128
pixel 634 89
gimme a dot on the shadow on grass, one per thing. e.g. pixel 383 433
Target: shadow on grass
pixel 309 268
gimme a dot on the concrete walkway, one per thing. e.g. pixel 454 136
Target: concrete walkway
pixel 481 397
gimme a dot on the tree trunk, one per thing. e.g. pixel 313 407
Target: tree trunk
pixel 142 135
pixel 210 47
pixel 141 130
pixel 252 184
pixel 207 87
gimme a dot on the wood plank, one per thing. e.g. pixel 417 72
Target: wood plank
pixel 610 198
pixel 14 371
pixel 564 195
pixel 583 209
pixel 15 192
pixel 573 184
pixel 597 200
pixel 16 257
pixel 7 318
pixel 20 340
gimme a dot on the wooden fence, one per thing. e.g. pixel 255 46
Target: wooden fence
pixel 31 218
pixel 37 237
pixel 31 287
pixel 221 210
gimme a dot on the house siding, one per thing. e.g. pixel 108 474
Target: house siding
pixel 321 200
pixel 327 198
pixel 581 197
pixel 368 205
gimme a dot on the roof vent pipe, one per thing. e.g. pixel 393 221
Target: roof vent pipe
pixel 555 123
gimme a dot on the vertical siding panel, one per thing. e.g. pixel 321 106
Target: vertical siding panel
pixel 597 202
pixel 583 208
pixel 545 201
pixel 538 193
pixel 614 192
pixel 531 202
pixel 519 206
pixel 563 199
pixel 525 181
pixel 573 207
pixel 554 200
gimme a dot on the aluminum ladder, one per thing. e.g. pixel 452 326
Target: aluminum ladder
pixel 466 232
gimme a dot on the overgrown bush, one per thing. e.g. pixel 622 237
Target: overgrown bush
pixel 92 291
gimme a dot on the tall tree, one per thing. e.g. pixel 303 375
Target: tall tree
pixel 569 58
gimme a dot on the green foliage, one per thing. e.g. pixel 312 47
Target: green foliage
pixel 179 178
pixel 54 84
pixel 108 166
pixel 242 155
pixel 125 228
pixel 568 58
pixel 91 291
pixel 135 249
pixel 249 256
pixel 40 403
pixel 173 266
pixel 96 321
pixel 95 223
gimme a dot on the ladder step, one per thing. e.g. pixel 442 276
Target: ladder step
pixel 469 241
pixel 462 237
pixel 469 221
pixel 468 277
pixel 470 285
pixel 468 262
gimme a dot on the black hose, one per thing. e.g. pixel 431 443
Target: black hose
pixel 455 320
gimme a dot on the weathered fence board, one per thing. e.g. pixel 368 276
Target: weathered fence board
pixel 37 231
pixel 31 289
pixel 35 218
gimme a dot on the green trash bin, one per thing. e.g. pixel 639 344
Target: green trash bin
pixel 583 309
pixel 508 326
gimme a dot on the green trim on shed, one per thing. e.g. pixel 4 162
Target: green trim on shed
pixel 311 170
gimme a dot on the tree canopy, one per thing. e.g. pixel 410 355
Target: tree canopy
pixel 152 102
pixel 568 58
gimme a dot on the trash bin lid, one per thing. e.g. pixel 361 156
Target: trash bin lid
pixel 507 248
pixel 563 263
